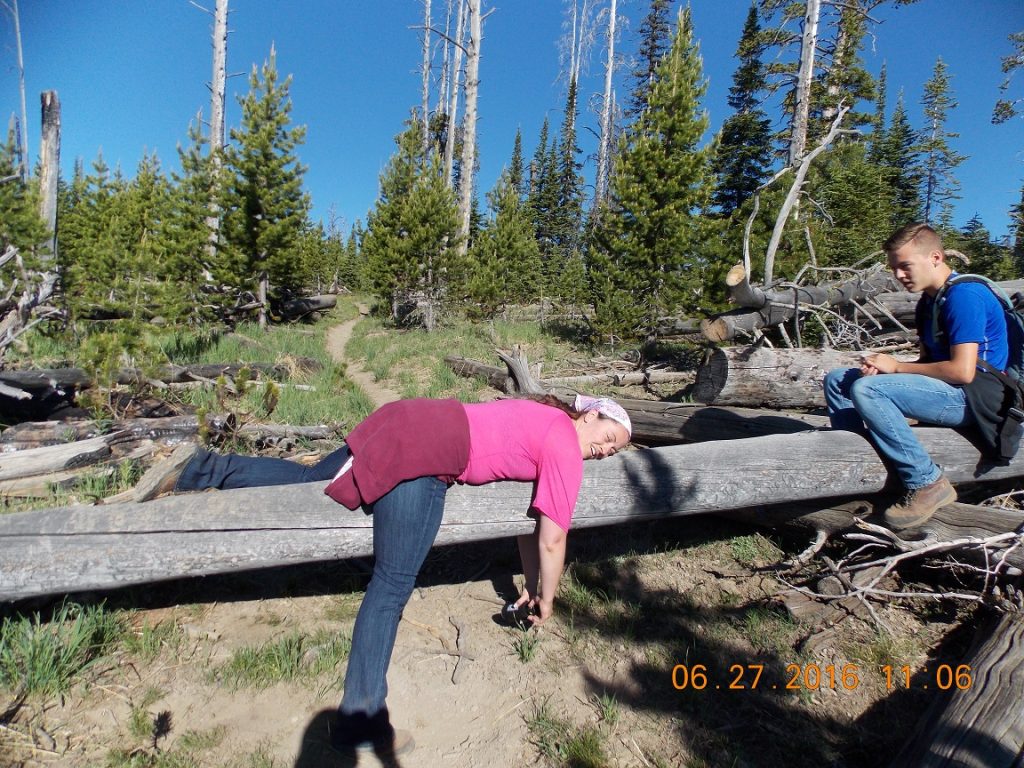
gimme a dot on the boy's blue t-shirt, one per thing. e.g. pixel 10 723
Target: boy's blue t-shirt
pixel 970 314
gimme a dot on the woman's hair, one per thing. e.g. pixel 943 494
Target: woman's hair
pixel 555 402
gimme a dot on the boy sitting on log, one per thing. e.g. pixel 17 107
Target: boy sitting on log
pixel 944 386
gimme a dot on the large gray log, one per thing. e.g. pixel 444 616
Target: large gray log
pixel 758 376
pixel 54 458
pixel 982 726
pixel 75 548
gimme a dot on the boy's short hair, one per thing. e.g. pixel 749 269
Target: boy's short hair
pixel 917 232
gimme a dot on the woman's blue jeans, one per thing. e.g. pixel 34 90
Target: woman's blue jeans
pixel 882 404
pixel 405 524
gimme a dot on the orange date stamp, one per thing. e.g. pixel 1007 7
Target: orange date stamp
pixel 814 677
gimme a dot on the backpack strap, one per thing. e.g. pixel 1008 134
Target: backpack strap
pixel 940 298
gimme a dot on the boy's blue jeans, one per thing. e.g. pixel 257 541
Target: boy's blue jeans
pixel 405 524
pixel 882 403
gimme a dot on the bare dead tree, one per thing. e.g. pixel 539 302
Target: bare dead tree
pixel 794 190
pixel 469 124
pixel 218 90
pixel 453 105
pixel 802 102
pixel 604 151
pixel 444 87
pixel 425 96
pixel 12 8
pixel 49 169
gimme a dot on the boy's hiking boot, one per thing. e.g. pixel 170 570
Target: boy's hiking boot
pixel 920 504
pixel 161 477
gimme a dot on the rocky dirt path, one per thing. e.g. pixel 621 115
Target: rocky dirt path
pixel 337 340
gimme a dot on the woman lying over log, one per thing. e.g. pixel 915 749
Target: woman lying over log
pixel 397 465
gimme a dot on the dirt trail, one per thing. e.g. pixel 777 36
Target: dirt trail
pixel 337 340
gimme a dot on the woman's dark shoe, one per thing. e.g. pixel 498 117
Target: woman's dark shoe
pixel 361 733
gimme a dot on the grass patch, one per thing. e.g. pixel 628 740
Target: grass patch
pixel 411 362
pixel 45 657
pixel 565 744
pixel 755 550
pixel 292 657
pixel 147 641
pixel 768 630
pixel 525 644
pixel 189 751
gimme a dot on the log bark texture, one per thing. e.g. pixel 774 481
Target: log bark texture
pixel 758 376
pixel 75 548
pixel 983 726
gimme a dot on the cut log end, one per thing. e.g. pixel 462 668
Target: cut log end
pixel 735 276
pixel 715 330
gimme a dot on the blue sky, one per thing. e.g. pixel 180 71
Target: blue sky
pixel 131 74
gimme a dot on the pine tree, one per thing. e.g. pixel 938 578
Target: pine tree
pixel 266 208
pixel 408 245
pixel 990 259
pixel 566 218
pixel 897 156
pixel 646 261
pixel 188 259
pixel 515 169
pixel 655 37
pixel 939 186
pixel 855 218
pixel 745 152
pixel 505 260
pixel 845 80
pixel 20 223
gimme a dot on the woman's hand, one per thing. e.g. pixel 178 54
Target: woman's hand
pixel 540 609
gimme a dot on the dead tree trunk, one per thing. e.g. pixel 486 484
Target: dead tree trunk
pixel 425 95
pixel 453 107
pixel 604 152
pixel 23 132
pixel 758 376
pixel 218 89
pixel 49 169
pixel 979 721
pixel 802 95
pixel 64 550
pixel 468 160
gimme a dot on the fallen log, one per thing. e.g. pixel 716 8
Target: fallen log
pixel 296 309
pixel 660 423
pixel 763 309
pixel 72 549
pixel 41 486
pixel 657 422
pixel 54 458
pixel 978 723
pixel 47 379
pixel 35 434
pixel 759 376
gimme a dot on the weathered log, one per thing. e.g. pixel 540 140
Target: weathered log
pixel 34 434
pixel 660 423
pixel 72 549
pixel 495 377
pixel 756 376
pixel 620 379
pixel 778 306
pixel 980 724
pixel 54 458
pixel 295 309
pixel 41 486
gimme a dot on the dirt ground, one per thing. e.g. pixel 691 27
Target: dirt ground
pixel 665 594
pixel 669 648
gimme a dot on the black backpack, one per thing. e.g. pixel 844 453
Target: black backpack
pixel 998 411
